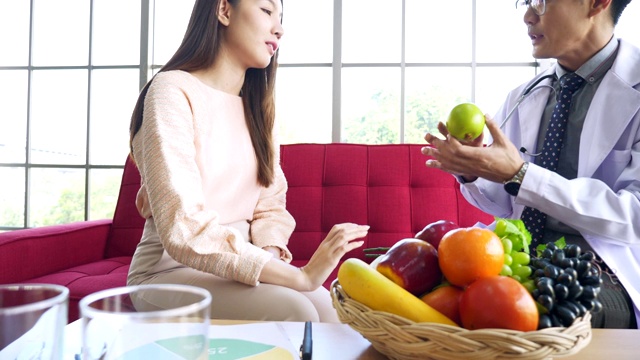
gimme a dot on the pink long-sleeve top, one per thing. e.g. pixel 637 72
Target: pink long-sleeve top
pixel 199 192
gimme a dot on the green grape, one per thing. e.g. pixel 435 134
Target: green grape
pixel 507 245
pixel 508 259
pixel 517 278
pixel 529 285
pixel 521 258
pixel 506 270
pixel 524 272
pixel 501 227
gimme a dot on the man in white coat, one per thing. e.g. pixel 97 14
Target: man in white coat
pixel 592 197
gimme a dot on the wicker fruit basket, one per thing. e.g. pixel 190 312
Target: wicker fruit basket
pixel 402 339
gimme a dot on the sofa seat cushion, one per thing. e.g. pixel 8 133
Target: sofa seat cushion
pixel 88 278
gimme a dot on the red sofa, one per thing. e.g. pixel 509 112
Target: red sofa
pixel 385 186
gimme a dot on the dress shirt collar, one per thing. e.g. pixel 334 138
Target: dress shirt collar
pixel 594 68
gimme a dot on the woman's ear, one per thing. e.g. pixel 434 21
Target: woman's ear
pixel 224 12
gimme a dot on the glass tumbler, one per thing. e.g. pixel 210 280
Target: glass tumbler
pixel 161 321
pixel 32 321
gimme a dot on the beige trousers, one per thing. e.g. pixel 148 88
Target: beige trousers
pixel 237 301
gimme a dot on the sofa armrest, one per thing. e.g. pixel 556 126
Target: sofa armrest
pixel 29 253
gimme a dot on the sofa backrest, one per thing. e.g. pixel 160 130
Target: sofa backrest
pixel 385 186
pixel 126 230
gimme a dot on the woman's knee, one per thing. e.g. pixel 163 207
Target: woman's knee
pixel 291 305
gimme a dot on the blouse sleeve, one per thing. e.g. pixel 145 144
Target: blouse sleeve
pixel 272 224
pixel 164 150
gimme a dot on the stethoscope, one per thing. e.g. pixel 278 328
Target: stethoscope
pixel 525 93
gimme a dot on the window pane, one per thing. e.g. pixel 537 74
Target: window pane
pixel 303 107
pixel 431 94
pixel 171 19
pixel 57 196
pixel 12 202
pixel 510 31
pixel 13 115
pixel 59 116
pixel 60 32
pixel 433 35
pixel 113 96
pixel 308 32
pixel 627 27
pixel 104 185
pixel 371 105
pixel 14 27
pixel 494 83
pixel 372 31
pixel 116 29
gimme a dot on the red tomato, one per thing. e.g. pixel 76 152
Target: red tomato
pixel 498 302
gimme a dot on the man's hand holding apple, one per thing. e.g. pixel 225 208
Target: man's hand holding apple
pixel 496 162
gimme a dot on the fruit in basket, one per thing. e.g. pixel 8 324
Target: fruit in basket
pixel 567 284
pixel 465 122
pixel 446 299
pixel 498 302
pixel 468 254
pixel 369 287
pixel 412 264
pixel 376 261
pixel 433 232
pixel 515 241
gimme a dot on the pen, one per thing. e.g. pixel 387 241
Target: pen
pixel 307 342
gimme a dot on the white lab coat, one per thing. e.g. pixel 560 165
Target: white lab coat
pixel 603 202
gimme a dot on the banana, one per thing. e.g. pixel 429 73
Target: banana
pixel 369 287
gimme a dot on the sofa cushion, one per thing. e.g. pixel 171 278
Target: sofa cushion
pixel 86 279
pixel 385 186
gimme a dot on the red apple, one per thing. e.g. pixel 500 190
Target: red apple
pixel 412 264
pixel 446 299
pixel 433 233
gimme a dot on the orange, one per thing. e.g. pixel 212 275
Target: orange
pixel 498 302
pixel 446 299
pixel 467 254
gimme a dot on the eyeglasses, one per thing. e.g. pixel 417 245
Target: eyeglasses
pixel 538 6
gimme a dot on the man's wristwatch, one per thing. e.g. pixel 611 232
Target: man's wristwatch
pixel 512 186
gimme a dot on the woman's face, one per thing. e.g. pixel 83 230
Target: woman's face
pixel 254 31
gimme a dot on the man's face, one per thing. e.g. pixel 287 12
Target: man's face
pixel 563 32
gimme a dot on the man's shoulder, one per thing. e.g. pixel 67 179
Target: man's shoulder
pixel 628 45
pixel 627 63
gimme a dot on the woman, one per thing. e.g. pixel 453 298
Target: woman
pixel 213 193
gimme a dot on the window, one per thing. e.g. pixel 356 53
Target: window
pixel 398 72
pixel 367 71
pixel 67 88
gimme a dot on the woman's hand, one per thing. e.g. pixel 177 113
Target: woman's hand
pixel 339 241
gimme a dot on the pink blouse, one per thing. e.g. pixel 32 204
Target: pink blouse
pixel 200 189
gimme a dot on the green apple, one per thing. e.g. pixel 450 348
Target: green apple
pixel 465 122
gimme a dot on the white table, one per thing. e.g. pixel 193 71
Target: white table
pixel 340 342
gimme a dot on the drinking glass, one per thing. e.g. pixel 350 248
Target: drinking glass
pixel 161 321
pixel 32 321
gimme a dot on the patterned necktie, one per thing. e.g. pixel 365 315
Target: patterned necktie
pixel 533 219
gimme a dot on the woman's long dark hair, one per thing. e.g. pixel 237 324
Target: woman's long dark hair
pixel 198 51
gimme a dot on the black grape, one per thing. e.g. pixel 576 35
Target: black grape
pixel 567 284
